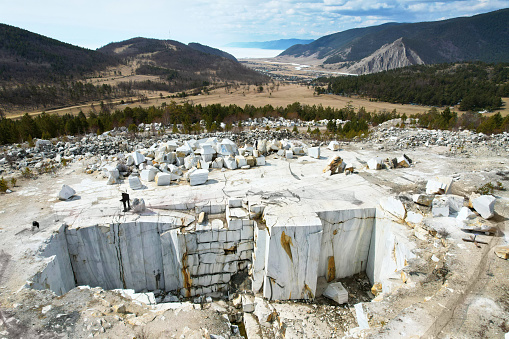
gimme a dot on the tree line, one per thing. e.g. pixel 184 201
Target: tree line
pixel 473 86
pixel 188 118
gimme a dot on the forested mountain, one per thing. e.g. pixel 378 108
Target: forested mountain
pixel 181 62
pixel 483 37
pixel 27 57
pixel 472 86
pixel 211 50
pixel 37 72
pixel 273 44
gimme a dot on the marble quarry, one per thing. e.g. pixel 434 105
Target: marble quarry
pixel 284 250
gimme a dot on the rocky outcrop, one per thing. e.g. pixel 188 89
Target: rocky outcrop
pixel 389 56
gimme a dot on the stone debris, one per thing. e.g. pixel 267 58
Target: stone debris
pixel 423 199
pixel 164 179
pixel 484 205
pixel 502 252
pixel 394 206
pixel 138 205
pixel 198 177
pixel 446 205
pixel 66 192
pixel 439 185
pixel 465 214
pixel 336 165
pixel 135 182
pixel 336 292
pixel 414 218
pixel 148 174
pixel 375 163
pixel 334 146
pixel 314 152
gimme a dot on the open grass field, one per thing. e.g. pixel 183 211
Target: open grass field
pixel 283 95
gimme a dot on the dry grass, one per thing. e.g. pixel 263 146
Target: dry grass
pixel 285 95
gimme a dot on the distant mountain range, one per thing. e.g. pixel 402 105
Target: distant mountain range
pixel 169 56
pixel 273 44
pixel 483 37
pixel 27 57
pixel 43 73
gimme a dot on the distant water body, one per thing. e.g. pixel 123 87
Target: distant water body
pixel 248 53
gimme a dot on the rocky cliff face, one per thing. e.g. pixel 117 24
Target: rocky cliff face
pixel 389 56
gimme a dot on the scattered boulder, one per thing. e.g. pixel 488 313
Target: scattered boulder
pixel 111 180
pixel 138 205
pixel 138 158
pixel 314 152
pixel 198 177
pixel 135 182
pixel 423 199
pixel 445 205
pixel 148 174
pixel 375 163
pixel 465 213
pixel 336 165
pixel 66 192
pixel 393 206
pixel 333 146
pixel 485 206
pixel 414 218
pixel 402 162
pixel 163 179
pixel 336 292
pixel 439 185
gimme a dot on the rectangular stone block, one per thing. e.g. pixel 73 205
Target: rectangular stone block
pixel 235 202
pixel 220 259
pixel 231 258
pixel 206 290
pixel 233 236
pixel 234 224
pixel 204 269
pixel 260 161
pixel 208 258
pixel 204 247
pixel 245 246
pixel 214 279
pixel 193 260
pixel 247 233
pixel 205 236
pixel 221 236
pixel 193 270
pixel 191 242
pixel 247 222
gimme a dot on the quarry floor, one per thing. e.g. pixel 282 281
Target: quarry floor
pixel 296 185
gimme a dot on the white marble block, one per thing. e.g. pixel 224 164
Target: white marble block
pixel 336 292
pixel 66 192
pixel 484 205
pixel 198 177
pixel 314 152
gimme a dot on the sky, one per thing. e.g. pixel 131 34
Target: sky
pixel 95 23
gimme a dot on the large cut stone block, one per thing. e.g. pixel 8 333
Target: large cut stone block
pixel 198 177
pixel 485 206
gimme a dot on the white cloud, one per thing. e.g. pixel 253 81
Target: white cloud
pixel 222 21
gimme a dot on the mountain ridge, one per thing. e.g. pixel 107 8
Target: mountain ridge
pixel 482 37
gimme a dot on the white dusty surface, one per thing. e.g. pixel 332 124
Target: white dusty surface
pixel 295 189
